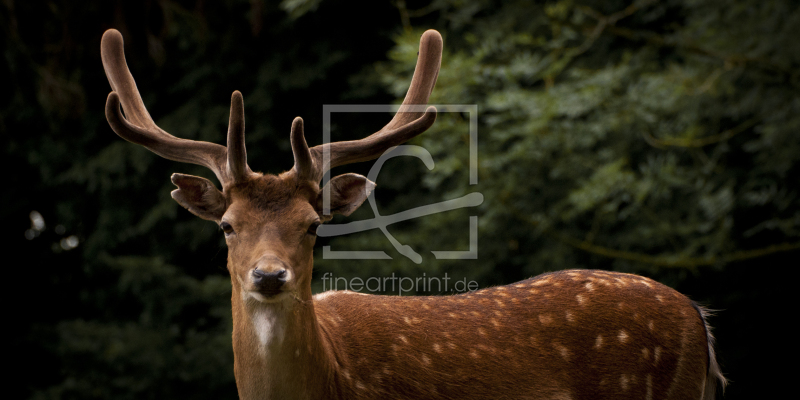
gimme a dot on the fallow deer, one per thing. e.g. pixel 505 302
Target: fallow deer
pixel 578 334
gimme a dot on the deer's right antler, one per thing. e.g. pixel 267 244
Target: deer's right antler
pixel 408 122
pixel 228 164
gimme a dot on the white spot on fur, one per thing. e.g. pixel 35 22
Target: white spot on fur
pixel 656 355
pixel 580 299
pixel 426 360
pixel 562 350
pixel 659 298
pixel 649 382
pixel 598 343
pixel 569 316
pixel 473 353
pixel 545 319
pixel 437 348
pixel 403 339
pixel 486 348
pixel 589 286
pixel 623 336
pixel 623 382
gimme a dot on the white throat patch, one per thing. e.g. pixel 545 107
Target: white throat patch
pixel 269 321
pixel 269 325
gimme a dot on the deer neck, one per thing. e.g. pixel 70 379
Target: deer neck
pixel 279 349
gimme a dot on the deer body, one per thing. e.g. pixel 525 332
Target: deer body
pixel 542 338
pixel 567 335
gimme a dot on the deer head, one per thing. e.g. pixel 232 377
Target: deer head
pixel 269 221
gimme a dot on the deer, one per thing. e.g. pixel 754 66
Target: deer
pixel 574 334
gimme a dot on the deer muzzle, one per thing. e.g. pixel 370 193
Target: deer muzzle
pixel 269 283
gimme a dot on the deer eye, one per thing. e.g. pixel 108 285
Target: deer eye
pixel 312 230
pixel 226 227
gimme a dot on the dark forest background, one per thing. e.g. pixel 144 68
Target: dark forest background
pixel 657 138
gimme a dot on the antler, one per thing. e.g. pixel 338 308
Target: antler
pixel 408 122
pixel 229 164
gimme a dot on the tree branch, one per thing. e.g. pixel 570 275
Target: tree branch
pixel 675 260
pixel 700 142
pixel 728 60
pixel 603 21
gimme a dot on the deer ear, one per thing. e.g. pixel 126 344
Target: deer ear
pixel 348 191
pixel 199 196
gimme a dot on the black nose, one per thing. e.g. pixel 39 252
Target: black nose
pixel 269 283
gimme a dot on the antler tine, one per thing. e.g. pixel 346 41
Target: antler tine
pixel 407 123
pixel 425 74
pixel 138 127
pixel 304 165
pixel 237 153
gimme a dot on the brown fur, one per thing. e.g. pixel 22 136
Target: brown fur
pixel 532 339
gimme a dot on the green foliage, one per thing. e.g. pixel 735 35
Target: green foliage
pixel 176 335
pixel 640 133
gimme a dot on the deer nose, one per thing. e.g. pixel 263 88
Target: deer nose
pixel 269 283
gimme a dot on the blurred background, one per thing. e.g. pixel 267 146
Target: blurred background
pixel 657 138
